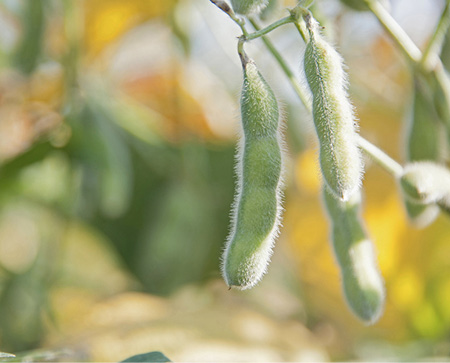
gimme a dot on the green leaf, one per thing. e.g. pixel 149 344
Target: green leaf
pixel 148 357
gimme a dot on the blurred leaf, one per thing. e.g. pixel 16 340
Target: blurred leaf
pixel 117 176
pixel 180 30
pixel 107 20
pixel 186 228
pixel 11 168
pixel 39 356
pixel 99 147
pixel 148 357
pixel 30 46
pixel 6 355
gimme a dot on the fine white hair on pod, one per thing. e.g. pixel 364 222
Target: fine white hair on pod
pixel 257 208
pixel 336 127
pixel 361 280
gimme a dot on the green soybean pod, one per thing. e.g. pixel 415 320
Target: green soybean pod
pixel 362 282
pixel 424 142
pixel 427 182
pixel 340 157
pixel 247 7
pixel 445 52
pixel 256 212
pixel 424 131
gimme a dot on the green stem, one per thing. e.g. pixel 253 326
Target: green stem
pixel 269 28
pixel 223 5
pixel 302 30
pixel 298 88
pixel 408 47
pixel 380 157
pixel 434 45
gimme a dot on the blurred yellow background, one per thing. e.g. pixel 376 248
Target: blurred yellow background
pixel 118 121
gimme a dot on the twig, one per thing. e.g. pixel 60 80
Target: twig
pixel 405 43
pixel 434 45
pixel 296 85
pixel 380 157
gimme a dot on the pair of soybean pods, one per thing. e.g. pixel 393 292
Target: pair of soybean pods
pixel 256 212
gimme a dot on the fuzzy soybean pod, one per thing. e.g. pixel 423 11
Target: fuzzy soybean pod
pixel 362 282
pixel 247 7
pixel 257 207
pixel 340 157
pixel 427 182
pixel 424 142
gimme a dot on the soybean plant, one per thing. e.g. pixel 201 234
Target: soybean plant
pixel 424 181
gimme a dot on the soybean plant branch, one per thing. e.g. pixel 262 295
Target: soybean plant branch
pixel 408 47
pixel 299 90
pixel 380 157
pixel 434 45
pixel 269 28
pixel 223 5
pixel 405 43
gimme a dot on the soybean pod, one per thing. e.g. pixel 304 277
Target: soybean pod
pixel 424 142
pixel 340 157
pixel 257 207
pixel 247 7
pixel 427 182
pixel 362 283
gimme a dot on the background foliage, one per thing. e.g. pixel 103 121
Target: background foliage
pixel 117 131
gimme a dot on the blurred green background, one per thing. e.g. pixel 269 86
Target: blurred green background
pixel 118 121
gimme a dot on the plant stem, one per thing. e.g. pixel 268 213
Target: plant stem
pixel 268 29
pixel 408 47
pixel 302 31
pixel 223 5
pixel 435 43
pixel 298 88
pixel 380 157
